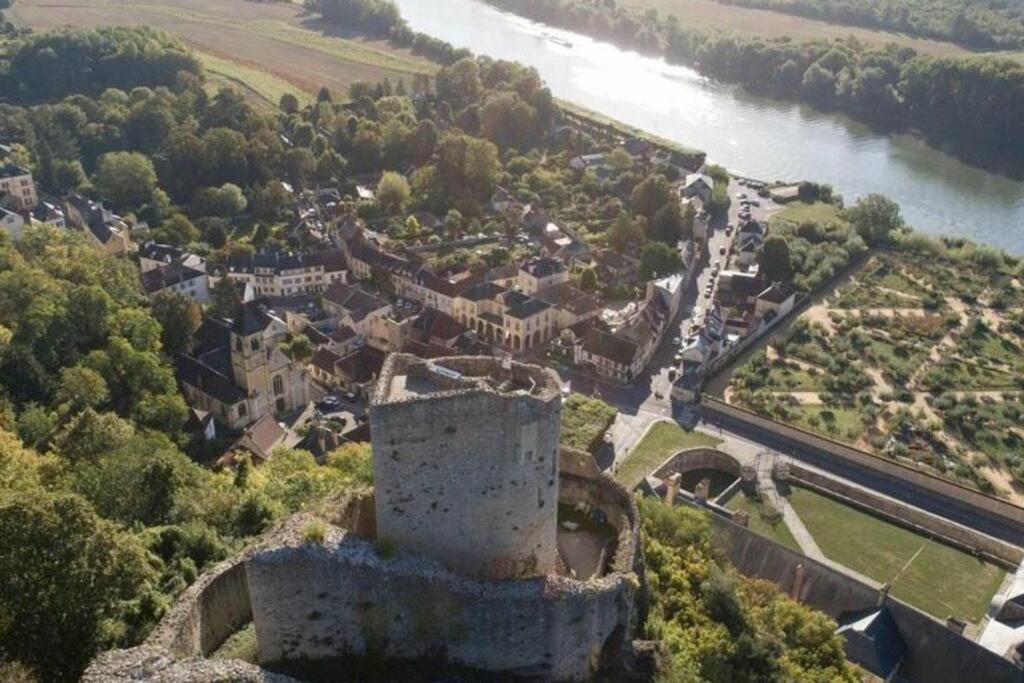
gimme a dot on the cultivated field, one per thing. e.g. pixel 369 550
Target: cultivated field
pixel 708 14
pixel 266 47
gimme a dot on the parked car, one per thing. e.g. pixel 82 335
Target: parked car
pixel 728 230
pixel 676 341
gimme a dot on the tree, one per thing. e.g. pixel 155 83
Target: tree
pixel 775 260
pixel 179 318
pixel 177 230
pixel 224 299
pixel 68 576
pixel 588 280
pixel 658 259
pixel 620 160
pixel 224 201
pixel 650 194
pixel 289 103
pixel 393 192
pixel 875 218
pixel 125 179
pixel 623 235
pixel 667 225
pixel 81 388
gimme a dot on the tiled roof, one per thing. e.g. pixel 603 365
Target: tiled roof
pixel 251 319
pixel 543 267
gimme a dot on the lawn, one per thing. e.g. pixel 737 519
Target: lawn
pixel 839 423
pixel 584 421
pixel 658 444
pixel 783 376
pixel 775 530
pixel 898 359
pixel 933 577
pixel 800 212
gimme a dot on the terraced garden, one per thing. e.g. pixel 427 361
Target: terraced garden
pixel 916 357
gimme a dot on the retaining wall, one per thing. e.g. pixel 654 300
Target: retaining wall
pixel 933 652
pixel 696 459
pixel 895 512
pixel 943 487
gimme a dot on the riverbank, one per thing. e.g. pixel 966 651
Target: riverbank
pixel 980 97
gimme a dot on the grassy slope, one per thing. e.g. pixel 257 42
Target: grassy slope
pixel 663 439
pixel 929 575
pixel 709 15
pixel 799 212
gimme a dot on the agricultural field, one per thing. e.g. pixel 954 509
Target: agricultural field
pixel 262 49
pixel 711 15
pixel 915 357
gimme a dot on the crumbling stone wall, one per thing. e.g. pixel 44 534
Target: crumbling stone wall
pixel 320 601
pixel 469 476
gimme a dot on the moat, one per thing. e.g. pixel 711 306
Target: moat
pixel 753 136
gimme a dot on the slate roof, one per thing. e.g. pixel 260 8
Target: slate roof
pixel 527 308
pixel 483 291
pixel 600 343
pixel 160 278
pixel 542 267
pixel 356 302
pixel 251 319
pixel 331 260
pixel 204 378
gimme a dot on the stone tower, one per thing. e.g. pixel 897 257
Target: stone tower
pixel 248 355
pixel 465 456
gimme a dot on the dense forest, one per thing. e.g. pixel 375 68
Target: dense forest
pixel 981 24
pixel 971 103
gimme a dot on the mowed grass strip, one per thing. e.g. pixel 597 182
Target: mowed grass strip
pixel 265 85
pixel 661 441
pixel 940 580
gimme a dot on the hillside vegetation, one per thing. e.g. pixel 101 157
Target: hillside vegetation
pixel 983 24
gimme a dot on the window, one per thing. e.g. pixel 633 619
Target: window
pixel 242 410
pixel 278 386
pixel 255 344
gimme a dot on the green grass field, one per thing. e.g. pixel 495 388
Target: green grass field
pixel 663 439
pixel 793 378
pixel 933 577
pixel 775 530
pixel 815 212
pixel 845 424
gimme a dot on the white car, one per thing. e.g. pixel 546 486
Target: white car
pixel 676 341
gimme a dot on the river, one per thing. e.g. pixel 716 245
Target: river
pixel 752 136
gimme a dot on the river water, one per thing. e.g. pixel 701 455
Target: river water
pixel 749 135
